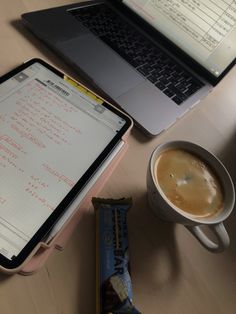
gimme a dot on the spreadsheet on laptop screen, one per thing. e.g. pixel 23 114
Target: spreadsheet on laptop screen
pixel 205 30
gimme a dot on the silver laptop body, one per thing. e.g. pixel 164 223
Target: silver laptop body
pixel 152 109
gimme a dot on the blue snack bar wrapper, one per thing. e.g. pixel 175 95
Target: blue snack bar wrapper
pixel 114 288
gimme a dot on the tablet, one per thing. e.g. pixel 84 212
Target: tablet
pixel 54 135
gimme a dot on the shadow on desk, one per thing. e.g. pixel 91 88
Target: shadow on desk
pixel 4 277
pixel 228 156
pixel 153 248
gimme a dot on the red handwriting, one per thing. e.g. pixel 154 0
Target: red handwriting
pixel 37 116
pixel 33 117
pixel 2 200
pixel 7 151
pixel 58 175
pixel 28 135
pixel 34 188
pixel 2 117
pixel 11 142
pixel 39 181
pixel 42 200
pixel 7 161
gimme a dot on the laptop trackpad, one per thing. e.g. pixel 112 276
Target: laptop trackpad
pixel 151 108
pixel 101 63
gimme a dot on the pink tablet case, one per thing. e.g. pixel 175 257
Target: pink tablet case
pixel 43 250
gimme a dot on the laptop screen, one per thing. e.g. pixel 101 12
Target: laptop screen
pixel 205 30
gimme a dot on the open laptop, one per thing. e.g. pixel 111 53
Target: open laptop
pixel 155 59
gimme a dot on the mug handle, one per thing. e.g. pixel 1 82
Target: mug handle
pixel 220 232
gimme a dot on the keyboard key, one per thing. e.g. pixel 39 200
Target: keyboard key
pixel 177 100
pixel 168 92
pixel 152 78
pixel 160 85
pixel 143 71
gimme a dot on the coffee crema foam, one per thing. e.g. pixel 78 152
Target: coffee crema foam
pixel 189 183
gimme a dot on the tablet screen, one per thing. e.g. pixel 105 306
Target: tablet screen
pixel 54 134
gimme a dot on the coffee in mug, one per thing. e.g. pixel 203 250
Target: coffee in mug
pixel 189 183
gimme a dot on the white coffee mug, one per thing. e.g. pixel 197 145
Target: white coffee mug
pixel 167 211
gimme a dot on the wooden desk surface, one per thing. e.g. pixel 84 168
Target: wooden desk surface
pixel 171 272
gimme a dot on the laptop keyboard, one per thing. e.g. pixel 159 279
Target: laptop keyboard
pixel 148 59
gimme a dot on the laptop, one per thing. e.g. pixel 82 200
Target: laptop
pixel 155 59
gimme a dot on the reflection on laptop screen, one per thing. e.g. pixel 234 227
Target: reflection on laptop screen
pixel 205 30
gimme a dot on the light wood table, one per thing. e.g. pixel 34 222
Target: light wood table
pixel 171 272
